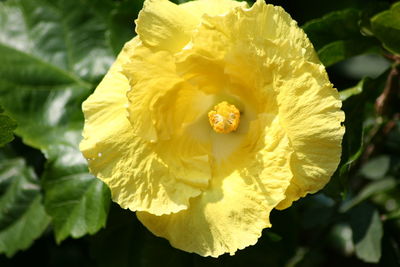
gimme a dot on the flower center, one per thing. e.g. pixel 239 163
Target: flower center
pixel 224 118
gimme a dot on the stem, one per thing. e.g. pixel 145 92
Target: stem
pixel 388 96
pixel 385 107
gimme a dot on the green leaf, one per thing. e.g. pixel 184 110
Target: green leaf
pixel 356 100
pixel 120 19
pixel 376 168
pixel 317 204
pixel 386 27
pixel 367 232
pixel 355 90
pixel 371 9
pixel 53 55
pixel 22 215
pixel 340 50
pixel 340 238
pixel 393 138
pixel 393 215
pixel 76 200
pixel 352 145
pixel 368 191
pixel 337 36
pixel 274 237
pixel 7 127
pixel 125 242
pixel 121 23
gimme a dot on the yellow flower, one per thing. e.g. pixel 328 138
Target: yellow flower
pixel 211 117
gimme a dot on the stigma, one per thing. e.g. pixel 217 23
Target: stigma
pixel 224 118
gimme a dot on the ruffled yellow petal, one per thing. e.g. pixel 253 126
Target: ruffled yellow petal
pixel 279 33
pixel 207 192
pixel 211 7
pixel 111 108
pixel 149 81
pixel 309 108
pixel 155 88
pixel 253 56
pixel 190 161
pixel 164 25
pixel 233 211
pixel 138 178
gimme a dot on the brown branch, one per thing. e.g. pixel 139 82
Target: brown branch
pixel 388 96
pixel 394 58
pixel 385 107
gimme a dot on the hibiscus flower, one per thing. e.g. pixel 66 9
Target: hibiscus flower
pixel 212 116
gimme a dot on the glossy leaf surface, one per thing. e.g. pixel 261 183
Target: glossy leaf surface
pixel 22 214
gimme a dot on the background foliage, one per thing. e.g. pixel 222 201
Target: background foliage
pixel 53 53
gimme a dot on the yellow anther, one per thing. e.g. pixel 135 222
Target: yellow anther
pixel 224 118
